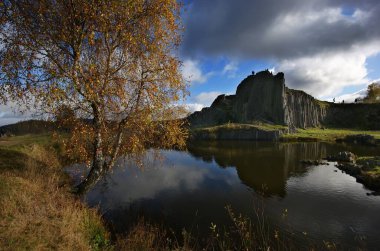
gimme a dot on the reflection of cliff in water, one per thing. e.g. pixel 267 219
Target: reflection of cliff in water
pixel 264 167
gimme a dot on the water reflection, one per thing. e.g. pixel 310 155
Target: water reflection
pixel 190 189
pixel 265 167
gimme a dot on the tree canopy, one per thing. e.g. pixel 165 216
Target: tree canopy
pixel 373 93
pixel 108 70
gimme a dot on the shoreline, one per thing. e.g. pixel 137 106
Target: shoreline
pixel 35 161
pixel 268 132
pixel 366 171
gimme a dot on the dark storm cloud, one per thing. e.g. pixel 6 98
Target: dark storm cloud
pixel 278 29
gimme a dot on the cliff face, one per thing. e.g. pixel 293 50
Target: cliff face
pixel 262 97
pixel 265 98
pixel 302 110
pixel 220 112
pixel 366 116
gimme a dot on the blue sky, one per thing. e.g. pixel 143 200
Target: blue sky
pixel 330 49
pixel 327 48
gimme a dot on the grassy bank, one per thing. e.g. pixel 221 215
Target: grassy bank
pixel 236 126
pixel 233 131
pixel 327 134
pixel 37 210
pixel 309 134
pixel 370 171
pixel 372 164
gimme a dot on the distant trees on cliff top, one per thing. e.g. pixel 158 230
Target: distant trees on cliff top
pixel 373 93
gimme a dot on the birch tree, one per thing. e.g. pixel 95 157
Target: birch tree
pixel 108 70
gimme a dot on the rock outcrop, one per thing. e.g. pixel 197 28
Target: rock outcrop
pixel 260 97
pixel 264 97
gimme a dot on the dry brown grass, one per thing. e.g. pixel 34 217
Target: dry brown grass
pixel 37 212
pixel 143 237
pixel 153 237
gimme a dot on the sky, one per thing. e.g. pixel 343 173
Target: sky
pixel 327 48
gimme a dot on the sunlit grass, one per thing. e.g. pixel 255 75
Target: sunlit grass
pixel 327 134
pixel 372 164
pixel 20 141
pixel 314 134
pixel 236 126
pixel 375 171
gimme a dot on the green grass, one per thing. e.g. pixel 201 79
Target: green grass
pixel 96 233
pixel 326 134
pixel 373 162
pixel 321 103
pixel 236 126
pixel 28 139
pixel 375 171
pixel 314 134
pixel 14 150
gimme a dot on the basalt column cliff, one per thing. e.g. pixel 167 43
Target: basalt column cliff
pixel 263 97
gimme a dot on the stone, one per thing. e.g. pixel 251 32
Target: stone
pixel 343 157
pixel 363 139
pixel 262 97
pixel 350 168
pixel 313 162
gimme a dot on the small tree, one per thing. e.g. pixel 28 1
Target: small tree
pixel 373 93
pixel 110 64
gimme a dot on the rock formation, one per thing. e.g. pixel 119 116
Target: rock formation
pixel 263 97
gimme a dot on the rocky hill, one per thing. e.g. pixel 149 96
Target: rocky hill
pixel 264 98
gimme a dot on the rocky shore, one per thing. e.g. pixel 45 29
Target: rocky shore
pixel 366 170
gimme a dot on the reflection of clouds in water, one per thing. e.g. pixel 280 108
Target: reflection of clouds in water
pixel 177 172
pixel 327 205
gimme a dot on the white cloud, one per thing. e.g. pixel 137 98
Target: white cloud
pixel 327 73
pixel 272 70
pixel 350 97
pixel 203 99
pixel 192 72
pixel 320 48
pixel 230 69
pixel 193 107
pixel 206 98
pixel 9 114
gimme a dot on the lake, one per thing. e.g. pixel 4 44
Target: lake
pixel 190 189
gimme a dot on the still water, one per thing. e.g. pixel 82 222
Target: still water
pixel 190 189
